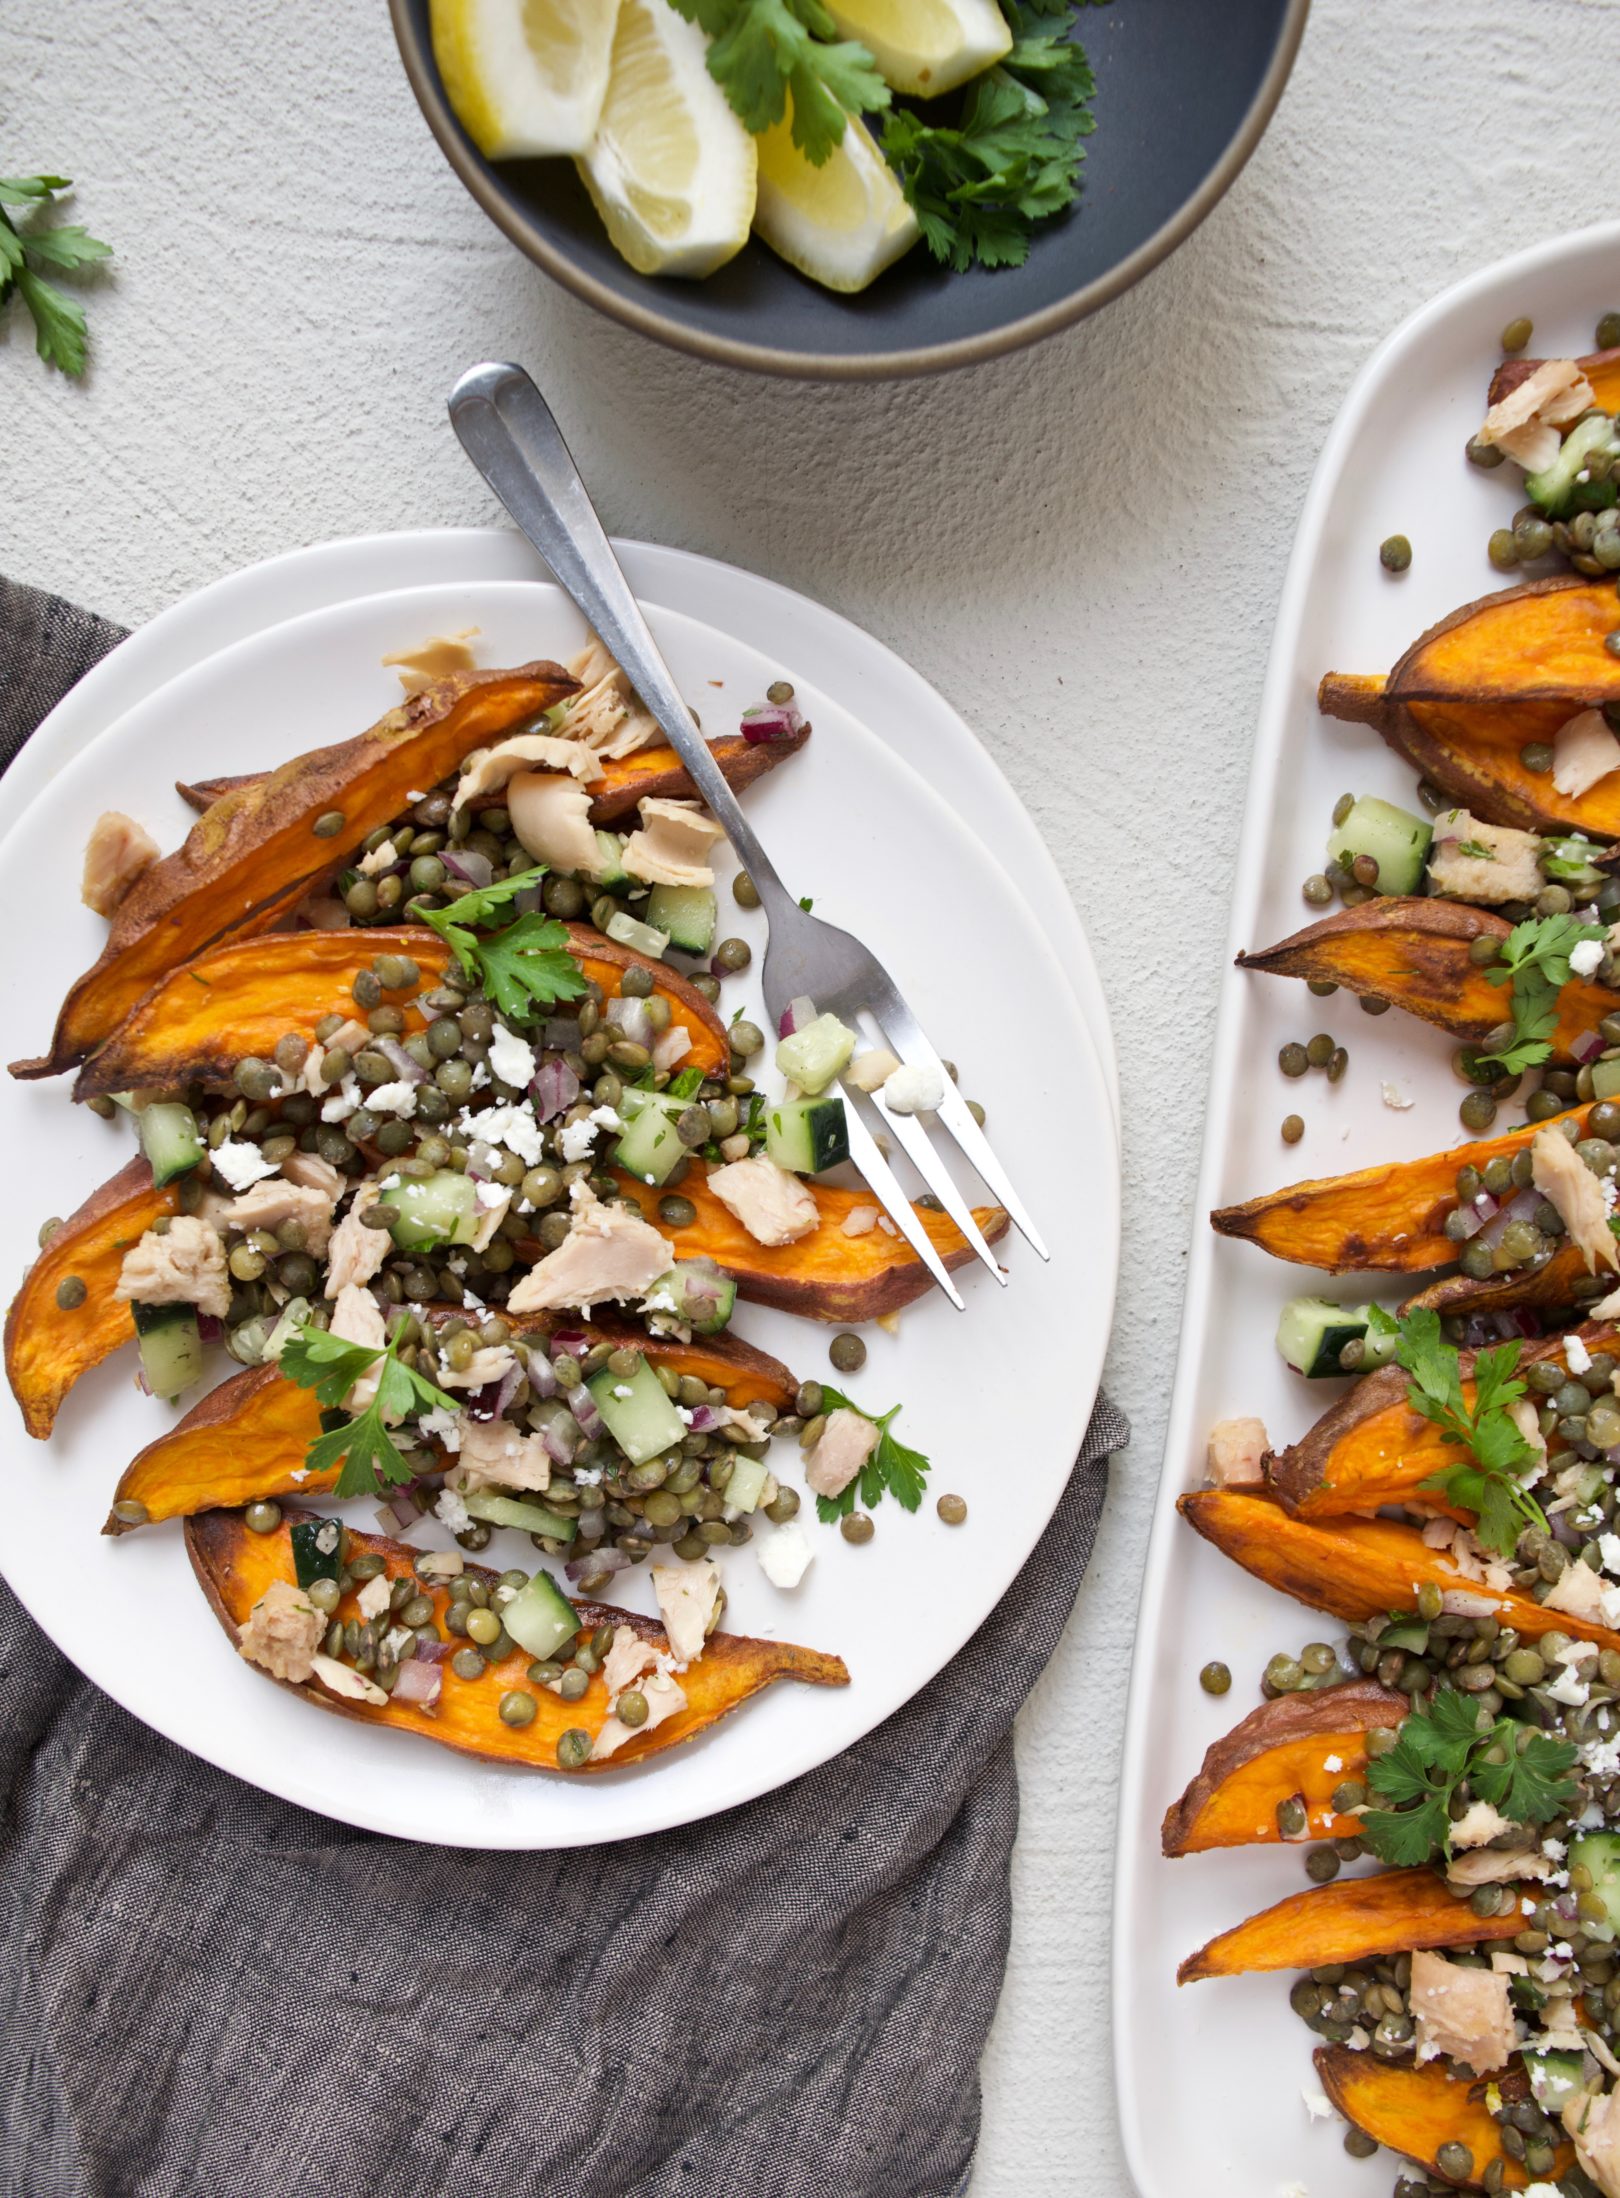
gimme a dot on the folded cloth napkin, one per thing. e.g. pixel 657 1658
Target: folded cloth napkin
pixel 206 1993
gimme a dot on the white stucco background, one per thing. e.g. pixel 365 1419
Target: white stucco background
pixel 1082 546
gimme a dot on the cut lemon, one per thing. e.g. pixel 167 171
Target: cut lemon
pixel 671 168
pixel 925 47
pixel 525 77
pixel 842 223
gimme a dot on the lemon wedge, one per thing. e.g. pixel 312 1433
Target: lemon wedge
pixel 671 168
pixel 842 223
pixel 925 47
pixel 526 77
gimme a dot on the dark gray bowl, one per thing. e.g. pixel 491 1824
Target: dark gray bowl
pixel 1184 91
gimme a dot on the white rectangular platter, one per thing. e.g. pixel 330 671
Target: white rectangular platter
pixel 1210 2078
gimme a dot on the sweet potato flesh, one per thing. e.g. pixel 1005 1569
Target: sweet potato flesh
pixel 1353 1919
pixel 1298 1746
pixel 249 860
pixel 238 999
pixel 235 1566
pixel 825 1275
pixel 1391 1216
pixel 1601 368
pixel 248 1438
pixel 1358 1568
pixel 48 1346
pixel 1416 2110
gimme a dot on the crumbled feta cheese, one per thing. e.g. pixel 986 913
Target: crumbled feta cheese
pixel 785 1553
pixel 575 1139
pixel 373 1599
pixel 1609 1552
pixel 1585 956
pixel 512 1126
pixel 914 1089
pixel 511 1058
pixel 452 1511
pixel 381 858
pixel 1333 1762
pixel 1576 1356
pixel 397 1098
pixel 1397 1096
pixel 342 1102
pixel 1318 2105
pixel 241 1163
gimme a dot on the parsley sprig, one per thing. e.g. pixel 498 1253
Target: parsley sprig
pixel 369 1456
pixel 522 967
pixel 1487 1482
pixel 1535 961
pixel 1013 157
pixel 766 53
pixel 1523 1774
pixel 891 1470
pixel 60 333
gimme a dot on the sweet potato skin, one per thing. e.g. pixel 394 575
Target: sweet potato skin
pixel 1352 1919
pixel 1550 1288
pixel 1278 1751
pixel 252 856
pixel 1415 953
pixel 247 1439
pixel 1390 1217
pixel 1371 1448
pixel 1601 368
pixel 1417 2110
pixel 47 1348
pixel 234 1567
pixel 238 999
pixel 1357 1568
pixel 825 1275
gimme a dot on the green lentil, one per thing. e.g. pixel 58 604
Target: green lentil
pixel 856 1528
pixel 71 1292
pixel 631 1709
pixel 744 891
pixel 952 1509
pixel 263 1517
pixel 130 1511
pixel 847 1352
pixel 517 1708
pixel 573 1749
pixel 1293 1060
pixel 1215 1678
pixel 329 824
pixel 1514 338
pixel 1293 1128
pixel 1395 553
pixel 1502 550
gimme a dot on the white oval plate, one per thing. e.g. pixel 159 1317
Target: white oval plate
pixel 851 824
pixel 1231 2052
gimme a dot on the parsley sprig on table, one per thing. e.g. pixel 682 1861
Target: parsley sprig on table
pixel 369 1456
pixel 1524 1775
pixel 891 1470
pixel 60 333
pixel 1013 156
pixel 766 52
pixel 1535 961
pixel 524 966
pixel 1486 1481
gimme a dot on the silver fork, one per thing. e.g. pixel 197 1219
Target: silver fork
pixel 507 430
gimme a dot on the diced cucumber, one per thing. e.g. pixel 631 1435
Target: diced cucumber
pixel 170 1346
pixel 293 1316
pixel 1556 488
pixel 807 1135
pixel 1555 2079
pixel 636 1099
pixel 1312 1331
pixel 317 1548
pixel 1396 840
pixel 1410 1634
pixel 611 874
pixel 651 1146
pixel 695 1292
pixel 441 1209
pixel 640 937
pixel 636 1412
pixel 540 1618
pixel 527 1516
pixel 1599 1854
pixel 1574 861
pixel 688 913
pixel 747 1483
pixel 168 1135
pixel 814 1055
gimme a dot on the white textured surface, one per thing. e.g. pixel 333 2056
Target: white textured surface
pixel 1082 546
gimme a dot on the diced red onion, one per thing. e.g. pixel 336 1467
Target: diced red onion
pixel 1587 1047
pixel 141 1382
pixel 392 1521
pixel 592 1525
pixel 468 865
pixel 1477 1332
pixel 562 1440
pixel 410 1499
pixel 482 1161
pixel 630 1018
pixel 795 1015
pixel 1565 1530
pixel 570 1342
pixel 1517 1321
pixel 394 1053
pixel 555 1088
pixel 562 1033
pixel 541 1378
pixel 1468 1222
pixel 771 721
pixel 427 1651
pixel 705 1419
pixel 210 1328
pixel 601 1562
pixel 485 1403
pixel 583 1406
pixel 419 1684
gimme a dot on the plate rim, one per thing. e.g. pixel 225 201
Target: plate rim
pixel 386 1817
pixel 923 359
pixel 1271 732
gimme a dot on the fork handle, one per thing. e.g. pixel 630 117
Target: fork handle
pixel 507 430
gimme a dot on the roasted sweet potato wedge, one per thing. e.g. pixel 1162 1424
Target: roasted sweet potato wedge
pixel 1417 2110
pixel 1415 954
pixel 248 1437
pixel 238 999
pixel 1358 1568
pixel 826 1275
pixel 235 1566
pixel 625 781
pixel 49 1345
pixel 1353 1919
pixel 251 858
pixel 1545 1290
pixel 1391 1216
pixel 1300 1745
pixel 1497 674
pixel 1371 1448
pixel 1601 368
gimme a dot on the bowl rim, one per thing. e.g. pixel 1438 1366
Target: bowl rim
pixel 476 173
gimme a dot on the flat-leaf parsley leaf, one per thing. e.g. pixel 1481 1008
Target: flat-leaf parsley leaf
pixel 362 1445
pixel 524 966
pixel 765 54
pixel 1535 960
pixel 60 332
pixel 1523 1774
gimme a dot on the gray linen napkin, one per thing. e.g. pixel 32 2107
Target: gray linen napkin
pixel 205 1993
